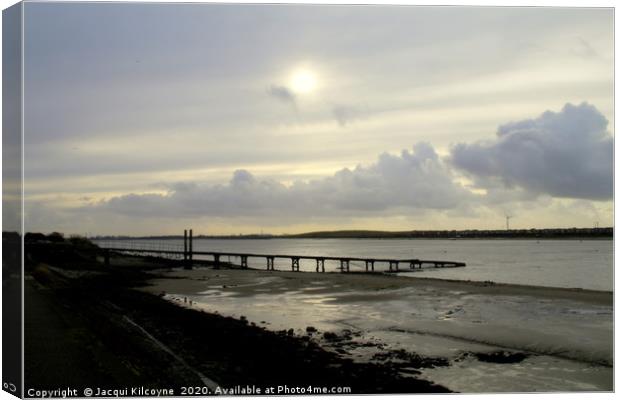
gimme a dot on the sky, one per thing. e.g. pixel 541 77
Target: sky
pixel 146 119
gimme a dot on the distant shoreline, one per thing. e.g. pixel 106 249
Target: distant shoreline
pixel 606 233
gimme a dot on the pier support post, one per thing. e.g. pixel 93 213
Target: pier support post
pixel 189 249
pixel 184 247
pixel 320 262
pixel 344 265
pixel 295 263
pixel 394 265
pixel 371 264
pixel 270 266
pixel 244 261
pixel 216 261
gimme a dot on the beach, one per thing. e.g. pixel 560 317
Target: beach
pixel 492 337
pixel 149 322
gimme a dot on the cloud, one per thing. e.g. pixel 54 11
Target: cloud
pixel 345 114
pixel 282 93
pixel 563 154
pixel 413 180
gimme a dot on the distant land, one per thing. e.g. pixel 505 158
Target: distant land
pixel 547 233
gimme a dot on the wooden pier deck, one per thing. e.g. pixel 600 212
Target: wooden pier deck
pixel 188 253
pixel 344 262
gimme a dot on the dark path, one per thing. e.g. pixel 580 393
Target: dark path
pixel 60 351
pixel 71 342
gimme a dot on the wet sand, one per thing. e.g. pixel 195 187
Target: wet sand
pixel 565 333
pixel 244 284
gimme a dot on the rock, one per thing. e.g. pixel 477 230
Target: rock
pixel 409 360
pixel 501 357
pixel 311 329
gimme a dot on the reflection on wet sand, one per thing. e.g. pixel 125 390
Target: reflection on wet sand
pixel 534 338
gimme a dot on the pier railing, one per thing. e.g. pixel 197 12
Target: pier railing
pixel 144 247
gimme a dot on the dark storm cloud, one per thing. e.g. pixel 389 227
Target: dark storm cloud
pixel 563 154
pixel 416 179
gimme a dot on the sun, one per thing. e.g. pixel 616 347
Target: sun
pixel 303 81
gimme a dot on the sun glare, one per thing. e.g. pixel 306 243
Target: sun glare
pixel 303 81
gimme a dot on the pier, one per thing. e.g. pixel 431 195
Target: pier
pixel 187 254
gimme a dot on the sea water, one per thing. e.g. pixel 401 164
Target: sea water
pixel 586 264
